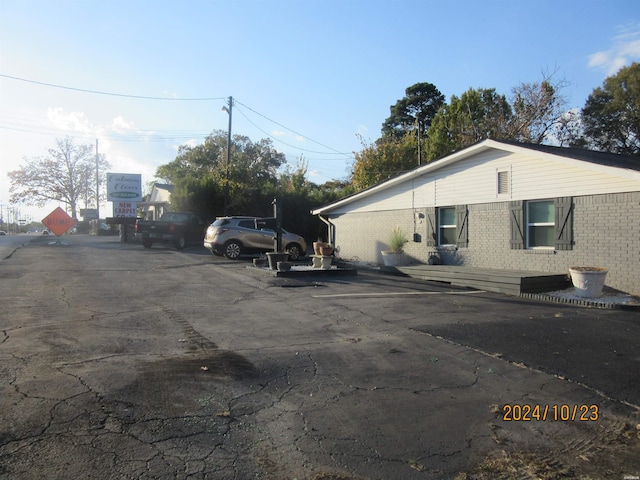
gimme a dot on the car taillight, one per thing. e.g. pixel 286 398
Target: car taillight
pixel 172 228
pixel 220 231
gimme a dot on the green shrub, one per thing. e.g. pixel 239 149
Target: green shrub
pixel 397 240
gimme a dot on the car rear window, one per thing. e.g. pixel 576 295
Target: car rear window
pixel 220 222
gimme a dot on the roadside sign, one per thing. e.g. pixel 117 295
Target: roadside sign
pixel 124 187
pixel 125 209
pixel 89 213
pixel 58 221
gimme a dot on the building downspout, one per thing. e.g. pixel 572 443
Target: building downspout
pixel 331 237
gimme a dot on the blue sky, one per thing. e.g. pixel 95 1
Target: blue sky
pixel 310 75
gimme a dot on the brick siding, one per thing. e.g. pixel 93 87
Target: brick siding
pixel 606 232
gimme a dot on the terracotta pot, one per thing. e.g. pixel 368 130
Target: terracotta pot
pixel 317 246
pixel 326 250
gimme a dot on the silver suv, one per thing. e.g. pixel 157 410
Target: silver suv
pixel 234 236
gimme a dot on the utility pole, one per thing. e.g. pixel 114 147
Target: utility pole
pixel 419 141
pixel 226 173
pixel 97 186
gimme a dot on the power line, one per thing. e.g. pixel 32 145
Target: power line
pixel 282 141
pixel 145 97
pixel 292 131
pixel 97 92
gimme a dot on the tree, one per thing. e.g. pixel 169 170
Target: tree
pixel 383 159
pixel 539 111
pixel 199 175
pixel 416 109
pixel 611 115
pixel 66 174
pixel 474 116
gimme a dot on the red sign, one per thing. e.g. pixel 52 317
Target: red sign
pixel 58 221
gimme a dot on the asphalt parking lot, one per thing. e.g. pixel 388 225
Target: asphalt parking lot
pixel 123 362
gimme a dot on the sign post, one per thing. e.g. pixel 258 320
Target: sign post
pixel 124 190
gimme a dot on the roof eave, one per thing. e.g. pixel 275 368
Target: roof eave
pixel 417 172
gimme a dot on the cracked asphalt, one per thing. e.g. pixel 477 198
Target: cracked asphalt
pixel 119 362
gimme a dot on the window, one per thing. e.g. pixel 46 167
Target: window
pixel 447 226
pixel 247 224
pixel 540 224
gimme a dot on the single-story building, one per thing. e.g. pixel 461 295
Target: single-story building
pixel 503 205
pixel 157 202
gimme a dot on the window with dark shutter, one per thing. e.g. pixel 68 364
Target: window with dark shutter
pixel 462 226
pixel 447 229
pixel 563 223
pixel 540 223
pixel 432 227
pixel 516 217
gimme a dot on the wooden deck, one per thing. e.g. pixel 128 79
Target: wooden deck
pixel 511 282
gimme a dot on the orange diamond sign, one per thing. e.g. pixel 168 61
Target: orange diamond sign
pixel 58 221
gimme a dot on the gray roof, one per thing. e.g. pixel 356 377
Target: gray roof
pixel 601 158
pixel 628 162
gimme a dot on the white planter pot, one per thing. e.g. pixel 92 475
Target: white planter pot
pixel 322 262
pixel 393 259
pixel 588 281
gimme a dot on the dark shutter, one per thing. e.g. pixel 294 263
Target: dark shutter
pixel 516 219
pixel 432 227
pixel 462 226
pixel 564 223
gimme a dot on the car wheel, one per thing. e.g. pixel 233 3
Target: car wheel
pixel 295 251
pixel 180 242
pixel 146 243
pixel 232 249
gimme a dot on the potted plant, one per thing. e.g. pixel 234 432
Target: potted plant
pixel 588 281
pixel 395 256
pixel 317 246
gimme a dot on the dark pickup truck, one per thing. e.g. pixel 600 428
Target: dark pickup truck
pixel 177 228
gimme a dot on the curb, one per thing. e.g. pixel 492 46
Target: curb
pixel 579 302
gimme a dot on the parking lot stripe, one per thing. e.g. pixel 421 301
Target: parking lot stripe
pixel 388 294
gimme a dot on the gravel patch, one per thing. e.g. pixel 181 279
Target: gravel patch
pixel 609 299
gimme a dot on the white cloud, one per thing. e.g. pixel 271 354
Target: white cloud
pixel 73 122
pixel 278 133
pixel 120 125
pixel 625 50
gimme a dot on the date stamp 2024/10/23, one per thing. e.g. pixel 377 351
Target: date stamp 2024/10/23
pixel 557 413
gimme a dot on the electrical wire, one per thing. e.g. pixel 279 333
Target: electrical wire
pixel 97 92
pixel 282 141
pixel 153 135
pixel 292 131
